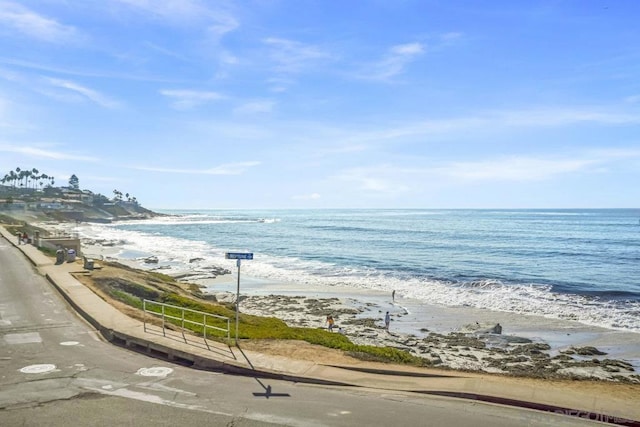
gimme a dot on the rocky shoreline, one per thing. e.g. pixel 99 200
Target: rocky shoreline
pixel 472 348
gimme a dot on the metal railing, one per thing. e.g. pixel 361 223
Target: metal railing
pixel 162 313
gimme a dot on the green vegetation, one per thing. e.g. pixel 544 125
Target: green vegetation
pixel 162 277
pixel 10 221
pixel 26 179
pixel 29 192
pixel 15 226
pixel 160 287
pixel 48 251
pixel 133 293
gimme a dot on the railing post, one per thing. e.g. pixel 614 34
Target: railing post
pixel 204 325
pixel 163 331
pixel 183 337
pixel 182 318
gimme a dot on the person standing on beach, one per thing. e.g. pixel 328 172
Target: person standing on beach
pixel 331 322
pixel 387 320
pixel 393 295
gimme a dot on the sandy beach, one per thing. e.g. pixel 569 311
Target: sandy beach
pixel 460 338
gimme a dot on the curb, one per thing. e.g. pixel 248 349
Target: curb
pixel 164 352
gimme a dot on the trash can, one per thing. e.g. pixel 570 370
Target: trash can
pixel 71 255
pixel 59 256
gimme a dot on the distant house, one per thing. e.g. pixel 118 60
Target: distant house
pixel 87 197
pixel 84 196
pixel 71 193
pixel 51 205
pixel 12 204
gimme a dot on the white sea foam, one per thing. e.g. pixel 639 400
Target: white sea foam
pixel 177 255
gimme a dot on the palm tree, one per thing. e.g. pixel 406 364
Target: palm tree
pixel 22 177
pixel 42 177
pixel 35 177
pixel 28 178
pixel 13 178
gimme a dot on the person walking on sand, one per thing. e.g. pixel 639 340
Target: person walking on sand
pixel 387 320
pixel 331 322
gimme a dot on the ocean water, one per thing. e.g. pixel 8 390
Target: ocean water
pixel 572 264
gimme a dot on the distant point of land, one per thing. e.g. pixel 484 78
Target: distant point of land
pixel 25 197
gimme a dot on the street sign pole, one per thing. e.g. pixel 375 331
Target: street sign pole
pixel 238 256
pixel 238 262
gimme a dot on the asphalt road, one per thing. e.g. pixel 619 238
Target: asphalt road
pixel 55 370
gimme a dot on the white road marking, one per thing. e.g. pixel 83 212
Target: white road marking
pixel 154 372
pixel 161 387
pixel 38 369
pixel 69 343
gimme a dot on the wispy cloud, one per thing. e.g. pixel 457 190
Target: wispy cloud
pixel 487 123
pixel 187 12
pixel 394 62
pixel 43 153
pixel 390 179
pixel 450 37
pixel 513 169
pixel 186 99
pixel 535 168
pixel 633 99
pixel 292 56
pixel 4 108
pixel 90 94
pixel 31 24
pixel 565 115
pixel 166 52
pixel 85 73
pixel 279 84
pixel 375 179
pixel 11 76
pixel 255 107
pixel 615 153
pixel 226 169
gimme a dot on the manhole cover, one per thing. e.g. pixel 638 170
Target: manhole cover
pixel 38 369
pixel 154 372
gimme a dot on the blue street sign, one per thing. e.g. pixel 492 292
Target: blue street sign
pixel 238 255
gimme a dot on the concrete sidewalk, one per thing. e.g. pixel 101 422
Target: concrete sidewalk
pixel 562 397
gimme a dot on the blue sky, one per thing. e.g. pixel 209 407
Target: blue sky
pixel 327 104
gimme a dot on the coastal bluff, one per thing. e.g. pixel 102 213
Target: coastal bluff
pixel 65 205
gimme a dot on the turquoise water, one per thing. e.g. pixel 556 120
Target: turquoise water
pixel 576 264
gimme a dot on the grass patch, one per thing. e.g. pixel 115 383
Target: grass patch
pixel 111 284
pixel 161 277
pixel 48 251
pixel 126 298
pixel 11 221
pixel 131 286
